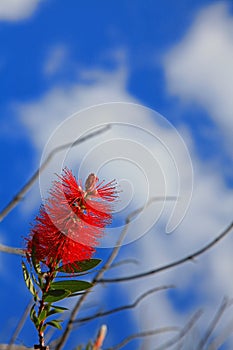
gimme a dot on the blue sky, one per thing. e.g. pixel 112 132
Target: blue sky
pixel 171 57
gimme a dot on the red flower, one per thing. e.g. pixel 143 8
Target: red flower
pixel 72 220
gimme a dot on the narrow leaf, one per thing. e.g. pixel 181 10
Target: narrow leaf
pixel 79 266
pixel 55 323
pixel 89 346
pixel 43 327
pixel 72 286
pixel 33 316
pixel 62 308
pixel 56 310
pixel 35 263
pixel 28 280
pixel 55 295
pixel 42 316
pixel 75 294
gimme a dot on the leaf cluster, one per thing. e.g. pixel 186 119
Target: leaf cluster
pixel 49 287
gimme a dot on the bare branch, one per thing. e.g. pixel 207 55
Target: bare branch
pixel 150 201
pixel 183 332
pixel 143 334
pixel 99 275
pixel 213 323
pixel 173 264
pixel 219 340
pixel 124 307
pixel 19 196
pixel 123 262
pixel 106 266
pixel 11 250
pixel 14 347
pixel 19 326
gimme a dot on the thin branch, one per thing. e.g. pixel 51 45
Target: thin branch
pixel 19 326
pixel 213 323
pixel 123 262
pixel 11 250
pixel 149 202
pixel 14 347
pixel 106 266
pixel 220 340
pixel 173 264
pixel 124 307
pixel 141 335
pixel 99 275
pixel 19 195
pixel 183 332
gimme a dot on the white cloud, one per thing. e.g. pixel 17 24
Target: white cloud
pixel 200 68
pixel 14 10
pixel 42 116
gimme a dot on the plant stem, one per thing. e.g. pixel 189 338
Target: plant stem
pixel 48 279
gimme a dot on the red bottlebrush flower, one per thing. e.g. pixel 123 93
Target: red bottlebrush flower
pixel 72 220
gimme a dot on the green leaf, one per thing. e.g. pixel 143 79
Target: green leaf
pixel 79 266
pixel 55 295
pixel 28 281
pixel 56 310
pixel 33 316
pixel 43 327
pixel 72 286
pixel 55 323
pixel 41 281
pixel 61 308
pixel 35 263
pixel 42 316
pixel 89 346
pixel 75 294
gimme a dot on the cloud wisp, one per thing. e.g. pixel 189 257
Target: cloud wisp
pixel 199 69
pixel 16 10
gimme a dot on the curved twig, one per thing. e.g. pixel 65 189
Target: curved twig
pixel 221 338
pixel 123 262
pixel 213 323
pixel 142 335
pixel 19 195
pixel 124 307
pixel 173 264
pixel 11 250
pixel 182 333
pixel 19 326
